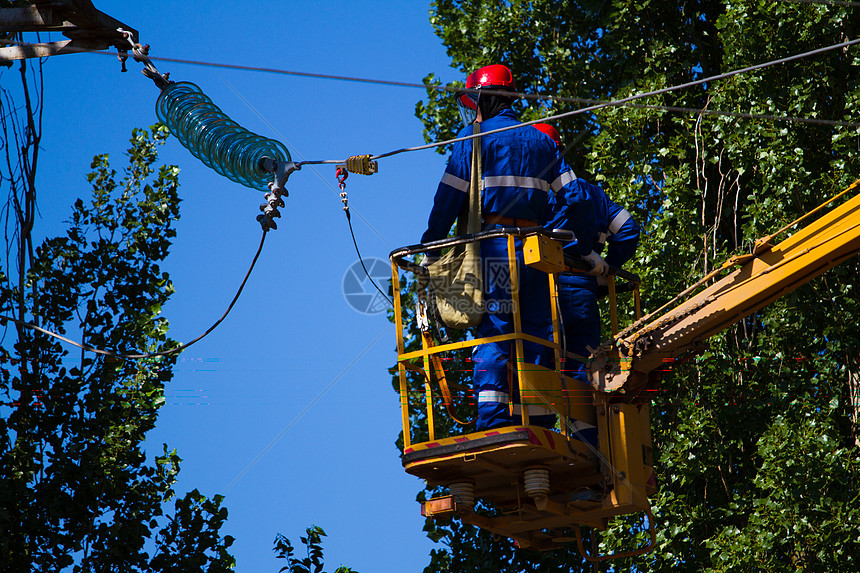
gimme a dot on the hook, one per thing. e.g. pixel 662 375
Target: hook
pixel 341 174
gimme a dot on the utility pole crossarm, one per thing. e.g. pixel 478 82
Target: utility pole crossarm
pixel 86 27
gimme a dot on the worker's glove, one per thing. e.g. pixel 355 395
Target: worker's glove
pixel 429 259
pixel 598 265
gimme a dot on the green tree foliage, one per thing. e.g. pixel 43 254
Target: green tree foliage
pixel 76 490
pixel 755 435
pixel 313 562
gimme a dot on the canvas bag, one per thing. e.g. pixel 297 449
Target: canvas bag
pixel 456 278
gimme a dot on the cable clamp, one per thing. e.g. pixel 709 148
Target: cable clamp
pixel 281 170
pixel 270 207
pixel 361 165
pixel 140 53
pixel 267 218
pixel 274 198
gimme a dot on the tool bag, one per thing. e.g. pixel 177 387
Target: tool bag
pixel 456 279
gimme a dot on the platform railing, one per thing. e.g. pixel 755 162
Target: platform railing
pixel 567 397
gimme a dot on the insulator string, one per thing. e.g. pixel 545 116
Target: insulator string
pixel 211 136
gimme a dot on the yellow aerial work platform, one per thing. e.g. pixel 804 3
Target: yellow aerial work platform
pixel 526 482
pixel 541 482
pixel 537 485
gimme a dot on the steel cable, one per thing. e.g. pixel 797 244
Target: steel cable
pixel 454 88
pixel 621 101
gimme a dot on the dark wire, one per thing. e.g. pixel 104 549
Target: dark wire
pixel 454 88
pixel 357 252
pixel 617 102
pixel 153 354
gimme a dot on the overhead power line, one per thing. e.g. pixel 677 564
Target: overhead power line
pixel 738 114
pixel 454 88
pixel 625 100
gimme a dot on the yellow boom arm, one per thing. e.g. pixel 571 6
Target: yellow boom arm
pixel 771 271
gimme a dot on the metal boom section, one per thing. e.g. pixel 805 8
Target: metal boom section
pixel 768 273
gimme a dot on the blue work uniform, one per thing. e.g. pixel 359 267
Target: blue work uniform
pixel 578 292
pixel 524 178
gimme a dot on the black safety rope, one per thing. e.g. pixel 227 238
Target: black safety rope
pixel 179 348
pixel 341 175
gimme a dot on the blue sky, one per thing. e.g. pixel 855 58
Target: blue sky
pixel 294 373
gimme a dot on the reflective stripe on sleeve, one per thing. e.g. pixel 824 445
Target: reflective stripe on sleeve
pixel 618 221
pixel 455 182
pixel 515 181
pixel 562 180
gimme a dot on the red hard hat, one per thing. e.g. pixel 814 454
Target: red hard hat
pixel 492 76
pixel 550 131
pixel 495 76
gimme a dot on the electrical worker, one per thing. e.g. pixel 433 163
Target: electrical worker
pixel 524 181
pixel 578 292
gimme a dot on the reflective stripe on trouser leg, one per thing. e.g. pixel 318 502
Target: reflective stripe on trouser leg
pixel 494 411
pixel 491 372
pixel 504 398
pixel 491 375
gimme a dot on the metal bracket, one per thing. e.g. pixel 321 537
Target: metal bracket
pixel 86 27
pixel 282 171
